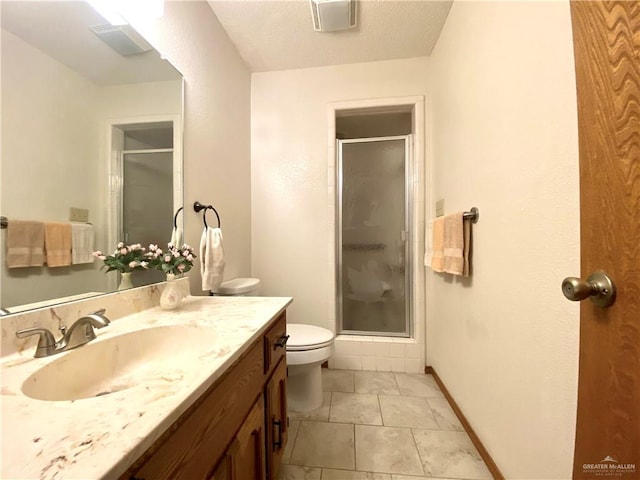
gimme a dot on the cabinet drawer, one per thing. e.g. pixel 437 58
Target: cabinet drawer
pixel 204 432
pixel 275 343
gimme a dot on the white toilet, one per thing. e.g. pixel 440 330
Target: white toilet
pixel 307 348
pixel 238 287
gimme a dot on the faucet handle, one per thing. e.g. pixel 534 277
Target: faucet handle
pixel 102 311
pixel 46 337
pixel 46 342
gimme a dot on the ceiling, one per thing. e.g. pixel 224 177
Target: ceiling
pixel 61 30
pixel 279 35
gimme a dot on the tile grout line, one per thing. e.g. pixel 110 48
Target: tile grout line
pixel 355 456
pixel 415 444
pixel 380 408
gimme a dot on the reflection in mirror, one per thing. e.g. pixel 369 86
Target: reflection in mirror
pixel 86 131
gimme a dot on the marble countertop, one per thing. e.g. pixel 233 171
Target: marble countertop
pixel 100 437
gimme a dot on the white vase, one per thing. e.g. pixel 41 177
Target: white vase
pixel 171 297
pixel 125 281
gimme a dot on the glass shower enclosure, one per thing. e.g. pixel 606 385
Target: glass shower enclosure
pixel 372 232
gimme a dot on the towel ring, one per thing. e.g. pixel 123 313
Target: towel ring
pixel 175 217
pixel 197 206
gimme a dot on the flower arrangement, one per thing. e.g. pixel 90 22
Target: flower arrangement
pixel 125 259
pixel 174 260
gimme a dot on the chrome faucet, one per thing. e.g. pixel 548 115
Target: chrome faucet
pixel 79 333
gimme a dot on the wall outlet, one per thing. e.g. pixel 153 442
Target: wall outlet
pixel 78 214
pixel 440 207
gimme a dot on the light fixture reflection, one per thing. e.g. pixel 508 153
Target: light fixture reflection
pixel 115 11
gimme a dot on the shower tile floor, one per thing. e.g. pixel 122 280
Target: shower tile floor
pixel 380 426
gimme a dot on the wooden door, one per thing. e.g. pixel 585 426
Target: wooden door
pixel 607 51
pixel 277 427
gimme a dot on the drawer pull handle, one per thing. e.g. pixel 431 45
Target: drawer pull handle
pixel 277 444
pixel 281 342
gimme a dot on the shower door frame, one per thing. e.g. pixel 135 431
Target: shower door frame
pixel 408 235
pixel 115 147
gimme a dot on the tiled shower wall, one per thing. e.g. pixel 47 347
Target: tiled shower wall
pixel 388 354
pixel 380 354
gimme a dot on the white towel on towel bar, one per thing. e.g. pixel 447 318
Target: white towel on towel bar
pixel 176 237
pixel 211 258
pixel 83 238
pixel 428 240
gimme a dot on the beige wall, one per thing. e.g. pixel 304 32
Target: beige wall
pixel 216 125
pixel 505 342
pixel 290 171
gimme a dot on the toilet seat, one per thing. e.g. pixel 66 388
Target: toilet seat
pixel 307 337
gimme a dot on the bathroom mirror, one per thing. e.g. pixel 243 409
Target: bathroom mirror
pixel 90 134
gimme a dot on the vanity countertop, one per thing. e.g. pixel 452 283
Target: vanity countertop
pixel 100 437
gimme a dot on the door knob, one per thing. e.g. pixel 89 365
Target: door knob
pixel 598 287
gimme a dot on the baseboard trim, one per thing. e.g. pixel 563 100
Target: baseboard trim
pixel 491 465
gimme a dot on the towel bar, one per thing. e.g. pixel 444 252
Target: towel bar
pixel 175 217
pixel 197 207
pixel 473 215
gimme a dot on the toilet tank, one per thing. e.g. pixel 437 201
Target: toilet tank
pixel 238 287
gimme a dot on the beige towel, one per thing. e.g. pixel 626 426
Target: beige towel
pixel 211 258
pixel 57 244
pixel 83 238
pixel 25 244
pixel 437 244
pixel 454 244
pixel 466 225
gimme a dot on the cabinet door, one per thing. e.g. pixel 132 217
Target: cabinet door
pixel 277 425
pixel 244 459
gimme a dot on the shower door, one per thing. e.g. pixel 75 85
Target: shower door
pixel 147 189
pixel 372 233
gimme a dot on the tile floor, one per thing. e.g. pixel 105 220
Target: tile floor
pixel 380 426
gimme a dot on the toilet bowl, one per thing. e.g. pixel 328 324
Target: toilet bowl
pixel 307 348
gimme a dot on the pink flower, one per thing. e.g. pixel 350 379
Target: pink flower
pixel 101 257
pixel 120 244
pixel 167 258
pixel 133 264
pixel 181 267
pixel 189 257
pixel 97 254
pixel 124 251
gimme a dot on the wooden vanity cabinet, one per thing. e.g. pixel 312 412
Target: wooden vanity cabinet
pixel 237 430
pixel 245 458
pixel 276 418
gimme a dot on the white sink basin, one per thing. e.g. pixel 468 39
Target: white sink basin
pixel 118 363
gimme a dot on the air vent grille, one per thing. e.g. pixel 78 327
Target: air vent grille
pixel 122 38
pixel 333 15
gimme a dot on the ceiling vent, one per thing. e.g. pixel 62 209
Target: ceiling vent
pixel 122 38
pixel 333 15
